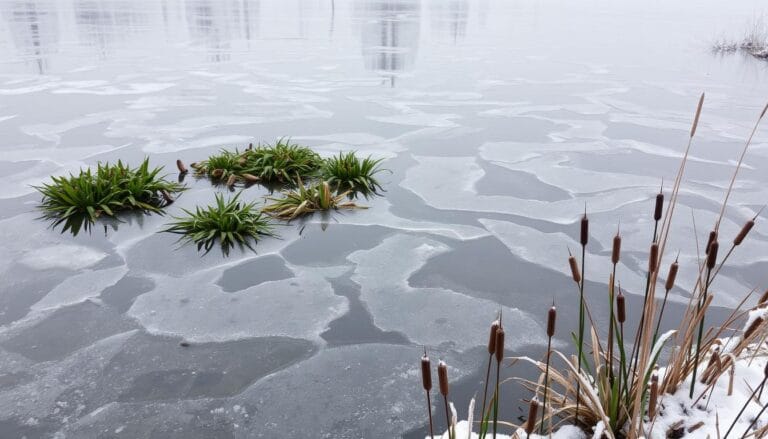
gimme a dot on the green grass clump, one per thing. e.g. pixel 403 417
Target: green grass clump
pixel 230 222
pixel 348 172
pixel 283 162
pixel 307 199
pixel 81 199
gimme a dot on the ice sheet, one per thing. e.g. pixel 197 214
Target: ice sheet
pixel 429 316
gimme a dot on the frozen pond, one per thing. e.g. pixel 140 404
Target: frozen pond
pixel 499 119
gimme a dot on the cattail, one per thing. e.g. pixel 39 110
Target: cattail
pixel 574 269
pixel 442 377
pixel 584 229
pixel 696 117
pixel 499 351
pixel 217 173
pixel 168 198
pixel 654 395
pixel 712 238
pixel 763 298
pixel 250 146
pixel 621 310
pixel 671 276
pixel 533 413
pixel 426 373
pixel 180 165
pixel 743 232
pixel 657 211
pixel 616 252
pixel 753 327
pixel 492 337
pixel 712 255
pixel 250 178
pixel 426 382
pixel 653 258
pixel 551 317
pixel 231 180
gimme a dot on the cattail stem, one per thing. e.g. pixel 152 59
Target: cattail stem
pixel 448 417
pixel 744 407
pixel 429 410
pixel 639 334
pixel 584 238
pixel 765 407
pixel 711 260
pixel 551 318
pixel 491 351
pixel 668 285
pixel 499 352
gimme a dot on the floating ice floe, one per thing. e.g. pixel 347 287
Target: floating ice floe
pixel 197 309
pixel 69 256
pixel 429 316
pixel 80 287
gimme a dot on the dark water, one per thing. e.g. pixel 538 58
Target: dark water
pixel 498 120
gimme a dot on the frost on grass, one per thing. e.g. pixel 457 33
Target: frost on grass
pixel 429 316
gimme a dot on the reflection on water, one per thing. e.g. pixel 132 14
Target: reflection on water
pixel 34 30
pixel 390 36
pixel 449 17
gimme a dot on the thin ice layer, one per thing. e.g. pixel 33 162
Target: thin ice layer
pixel 429 316
pixel 197 309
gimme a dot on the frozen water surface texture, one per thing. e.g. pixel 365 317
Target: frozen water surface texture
pixel 498 120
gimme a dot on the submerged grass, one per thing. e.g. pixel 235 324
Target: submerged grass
pixel 307 199
pixel 82 198
pixel 617 385
pixel 230 222
pixel 349 172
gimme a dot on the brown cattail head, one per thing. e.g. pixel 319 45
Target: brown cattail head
pixel 574 269
pixel 499 352
pixel 621 307
pixel 616 252
pixel 659 207
pixel 217 173
pixel 167 196
pixel 698 114
pixel 763 298
pixel 671 276
pixel 533 414
pixel 492 337
pixel 743 232
pixel 426 373
pixel 551 317
pixel 765 371
pixel 653 258
pixel 712 255
pixel 753 327
pixel 712 238
pixel 442 377
pixel 180 165
pixel 654 395
pixel 584 235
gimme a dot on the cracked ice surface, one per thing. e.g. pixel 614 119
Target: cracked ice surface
pixel 429 316
pixel 197 309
